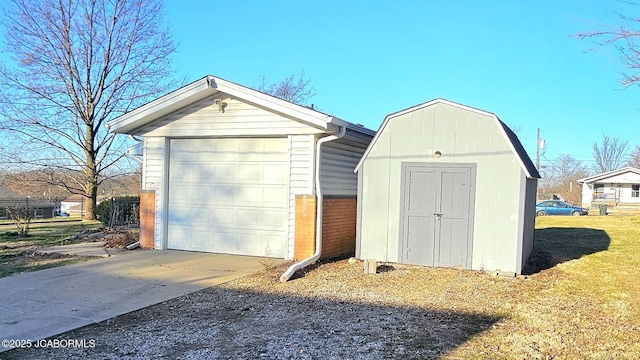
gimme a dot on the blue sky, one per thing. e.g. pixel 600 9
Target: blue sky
pixel 367 59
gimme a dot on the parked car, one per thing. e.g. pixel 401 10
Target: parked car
pixel 559 207
pixel 63 214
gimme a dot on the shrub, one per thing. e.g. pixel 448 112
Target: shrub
pixel 119 211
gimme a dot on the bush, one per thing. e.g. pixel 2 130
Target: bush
pixel 119 211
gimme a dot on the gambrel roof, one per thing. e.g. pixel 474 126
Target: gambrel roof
pixel 516 147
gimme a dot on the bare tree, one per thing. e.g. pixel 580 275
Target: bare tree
pixel 634 158
pixel 39 184
pixel 21 216
pixel 625 39
pixel 297 91
pixel 564 171
pixel 75 65
pixel 610 154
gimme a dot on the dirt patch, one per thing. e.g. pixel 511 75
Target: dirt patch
pixel 336 311
pixel 114 238
pixel 333 310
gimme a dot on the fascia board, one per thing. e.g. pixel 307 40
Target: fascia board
pixel 308 116
pixel 161 107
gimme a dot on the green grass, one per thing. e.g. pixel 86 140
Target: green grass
pixel 16 253
pixel 585 304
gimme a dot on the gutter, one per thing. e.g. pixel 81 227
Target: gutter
pixel 310 260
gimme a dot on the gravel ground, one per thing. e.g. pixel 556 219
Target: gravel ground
pixel 331 311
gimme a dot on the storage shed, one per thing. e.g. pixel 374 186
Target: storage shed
pixel 228 169
pixel 446 185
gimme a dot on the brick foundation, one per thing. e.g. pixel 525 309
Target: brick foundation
pixel 305 235
pixel 338 226
pixel 147 218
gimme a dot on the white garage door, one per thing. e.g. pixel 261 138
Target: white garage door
pixel 228 196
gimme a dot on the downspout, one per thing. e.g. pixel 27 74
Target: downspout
pixel 310 260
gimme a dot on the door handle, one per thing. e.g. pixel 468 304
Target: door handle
pixel 438 215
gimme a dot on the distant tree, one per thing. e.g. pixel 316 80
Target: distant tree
pixel 610 154
pixel 634 158
pixel 562 174
pixel 39 184
pixel 625 39
pixel 75 64
pixel 297 91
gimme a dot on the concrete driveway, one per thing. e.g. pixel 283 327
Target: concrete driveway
pixel 45 303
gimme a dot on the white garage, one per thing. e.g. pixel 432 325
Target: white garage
pixel 228 196
pixel 228 169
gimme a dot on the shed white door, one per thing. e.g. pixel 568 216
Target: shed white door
pixel 228 196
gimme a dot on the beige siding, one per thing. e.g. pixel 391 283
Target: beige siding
pixel 462 136
pixel 339 158
pixel 203 118
pixel 301 155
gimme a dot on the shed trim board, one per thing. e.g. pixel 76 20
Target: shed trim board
pixel 423 230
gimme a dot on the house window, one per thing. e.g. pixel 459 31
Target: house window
pixel 3 214
pixel 598 188
pixel 635 190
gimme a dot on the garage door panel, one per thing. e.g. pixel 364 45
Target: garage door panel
pixel 249 218
pixel 225 172
pixel 180 194
pixel 250 195
pixel 249 172
pixel 272 195
pixel 179 215
pixel 225 217
pixel 233 199
pixel 227 147
pixel 225 242
pixel 224 195
pixel 271 220
pixel 272 245
pixel 274 173
pixel 200 195
pixel 201 239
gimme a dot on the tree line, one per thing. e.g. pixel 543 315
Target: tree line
pixel 559 176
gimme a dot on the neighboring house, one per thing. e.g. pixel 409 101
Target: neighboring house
pixel 41 209
pixel 228 169
pixel 446 185
pixel 620 186
pixel 73 205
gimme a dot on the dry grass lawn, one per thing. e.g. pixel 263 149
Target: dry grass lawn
pixel 581 300
pixel 16 253
pixel 583 303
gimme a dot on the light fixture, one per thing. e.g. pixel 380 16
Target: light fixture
pixel 220 103
pixel 437 154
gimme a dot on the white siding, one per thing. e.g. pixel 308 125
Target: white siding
pixel 153 178
pixel 301 155
pixel 339 158
pixel 203 118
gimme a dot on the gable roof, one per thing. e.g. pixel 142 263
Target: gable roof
pixel 8 194
pixel 514 143
pixel 211 85
pixel 608 174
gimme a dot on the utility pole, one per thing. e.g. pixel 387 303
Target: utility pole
pixel 538 151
